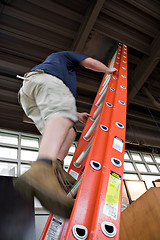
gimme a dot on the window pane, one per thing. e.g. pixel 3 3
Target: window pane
pixel 128 166
pixel 148 179
pixel 141 167
pixel 67 161
pixel 136 157
pixel 39 207
pixel 126 156
pixel 72 149
pixel 157 159
pixel 24 168
pixel 29 155
pixel 135 189
pixel 29 142
pixel 130 176
pixel 147 158
pixel 8 169
pixel 8 138
pixel 7 152
pixel 153 168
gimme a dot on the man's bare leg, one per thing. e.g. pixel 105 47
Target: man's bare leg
pixel 67 144
pixel 44 179
pixel 53 138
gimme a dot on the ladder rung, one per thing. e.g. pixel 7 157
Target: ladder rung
pixel 83 154
pixel 91 129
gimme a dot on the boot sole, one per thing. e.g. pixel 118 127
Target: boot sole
pixel 28 188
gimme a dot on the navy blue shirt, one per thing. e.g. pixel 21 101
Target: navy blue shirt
pixel 63 65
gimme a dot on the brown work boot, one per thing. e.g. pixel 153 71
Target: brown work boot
pixel 65 179
pixel 41 181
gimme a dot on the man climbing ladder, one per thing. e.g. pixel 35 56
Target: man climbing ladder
pixel 48 98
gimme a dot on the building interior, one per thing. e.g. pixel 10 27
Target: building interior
pixel 33 29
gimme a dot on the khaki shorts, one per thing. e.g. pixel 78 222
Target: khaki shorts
pixel 44 96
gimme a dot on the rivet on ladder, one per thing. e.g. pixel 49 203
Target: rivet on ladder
pixel 80 232
pixel 114 78
pixel 124 68
pixel 116 162
pixel 86 139
pixel 95 165
pixel 121 102
pixel 124 61
pixel 120 125
pixel 104 128
pixel 117 62
pixel 77 166
pixel 109 229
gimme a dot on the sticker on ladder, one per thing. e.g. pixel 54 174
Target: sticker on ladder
pixel 118 144
pixel 112 196
pixel 54 228
pixel 74 174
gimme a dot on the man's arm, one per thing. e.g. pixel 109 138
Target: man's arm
pixel 95 65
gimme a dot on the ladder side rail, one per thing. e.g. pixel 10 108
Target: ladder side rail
pixel 107 214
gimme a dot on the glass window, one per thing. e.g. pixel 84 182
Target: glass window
pixel 7 152
pixel 147 158
pixel 153 168
pixel 148 179
pixel 136 156
pixel 135 189
pixel 29 155
pixel 24 168
pixel 126 156
pixel 141 167
pixel 37 203
pixel 128 166
pixel 157 159
pixel 72 149
pixel 130 176
pixel 8 169
pixel 30 142
pixel 67 161
pixel 8 138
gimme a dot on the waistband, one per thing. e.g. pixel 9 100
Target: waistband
pixel 28 74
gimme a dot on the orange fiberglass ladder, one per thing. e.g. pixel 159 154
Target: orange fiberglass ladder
pixel 99 156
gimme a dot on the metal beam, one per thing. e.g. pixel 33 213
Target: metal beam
pixel 144 69
pixel 128 15
pixel 87 25
pixel 143 102
pixel 149 7
pixel 122 33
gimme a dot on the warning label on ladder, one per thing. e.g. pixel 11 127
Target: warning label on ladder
pixel 112 196
pixel 74 174
pixel 118 144
pixel 54 228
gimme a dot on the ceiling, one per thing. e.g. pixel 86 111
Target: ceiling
pixel 32 29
